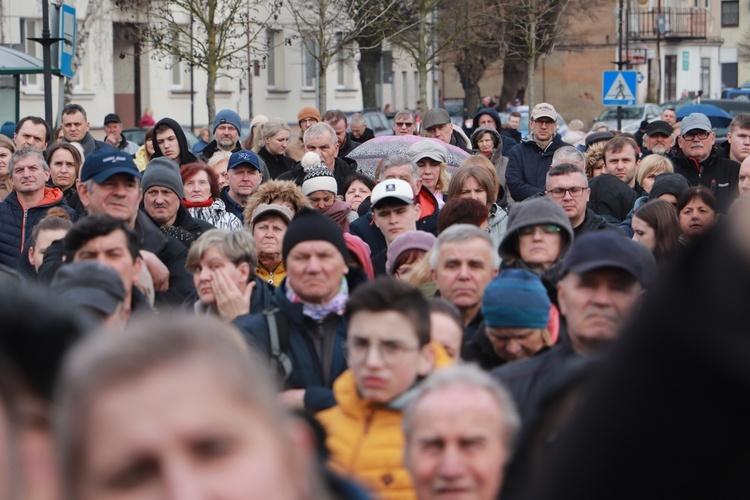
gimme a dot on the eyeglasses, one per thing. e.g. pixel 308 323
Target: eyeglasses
pixel 404 124
pixel 308 120
pixel 574 191
pixel 703 134
pixel 544 122
pixel 390 351
pixel 545 228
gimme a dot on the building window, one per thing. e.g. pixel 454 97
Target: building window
pixel 706 76
pixel 729 75
pixel 730 13
pixel 31 28
pixel 309 64
pixel 176 63
pixel 340 63
pixel 271 58
pixel 670 78
pixel 405 87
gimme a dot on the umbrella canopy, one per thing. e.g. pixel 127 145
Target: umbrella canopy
pixel 717 116
pixel 369 154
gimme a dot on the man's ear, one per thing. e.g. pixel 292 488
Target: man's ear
pixel 83 194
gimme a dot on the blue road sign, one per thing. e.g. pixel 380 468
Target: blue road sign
pixel 67 46
pixel 618 88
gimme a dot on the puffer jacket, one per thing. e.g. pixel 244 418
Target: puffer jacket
pixel 17 223
pixel 366 440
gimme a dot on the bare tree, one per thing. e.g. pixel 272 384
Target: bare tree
pixel 332 30
pixel 218 40
pixel 743 47
pixel 435 28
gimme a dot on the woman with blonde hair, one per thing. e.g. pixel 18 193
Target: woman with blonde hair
pixel 476 178
pixel 274 139
pixel 651 166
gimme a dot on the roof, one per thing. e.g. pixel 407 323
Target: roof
pixel 14 62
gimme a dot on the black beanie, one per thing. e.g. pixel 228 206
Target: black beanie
pixel 668 183
pixel 311 225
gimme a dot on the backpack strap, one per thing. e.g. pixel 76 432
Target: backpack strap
pixel 278 341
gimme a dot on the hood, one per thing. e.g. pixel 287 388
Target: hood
pixel 483 130
pixel 488 111
pixel 185 155
pixel 537 210
pixel 611 197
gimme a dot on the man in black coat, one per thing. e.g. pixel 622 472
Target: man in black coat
pixel 568 186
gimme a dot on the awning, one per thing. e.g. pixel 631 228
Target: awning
pixel 14 62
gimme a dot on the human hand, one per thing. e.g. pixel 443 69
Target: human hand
pixel 159 271
pixel 231 299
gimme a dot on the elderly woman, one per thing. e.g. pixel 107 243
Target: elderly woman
pixel 202 197
pixel 320 187
pixel 477 179
pixel 406 251
pixel 357 188
pixel 219 162
pixel 178 405
pixel 64 161
pixel 539 234
pixel 268 225
pixel 7 148
pixel 273 143
pixel 430 157
pixel 276 192
pixel 223 265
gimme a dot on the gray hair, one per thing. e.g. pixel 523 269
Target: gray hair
pixel 316 132
pixel 104 360
pixel 398 161
pixel 218 156
pixel 271 128
pixel 470 376
pixel 27 152
pixel 599 125
pixel 565 169
pixel 462 233
pixel 569 154
pixel 238 246
pixel 357 119
pixel 403 112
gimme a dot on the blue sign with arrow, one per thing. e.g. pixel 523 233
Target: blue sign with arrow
pixel 618 88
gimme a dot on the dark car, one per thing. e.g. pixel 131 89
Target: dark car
pixel 732 106
pixel 138 136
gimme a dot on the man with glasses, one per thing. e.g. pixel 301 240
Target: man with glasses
pixel 529 162
pixel 568 186
pixel 404 123
pixel 389 351
pixel 700 163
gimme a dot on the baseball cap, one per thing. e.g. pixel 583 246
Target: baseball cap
pixel 427 148
pixel 659 127
pixel 243 157
pixel 392 188
pixel 105 162
pixel 543 110
pixel 695 121
pixel 606 248
pixel 112 118
pixel 89 284
pixel 268 209
pixel 435 117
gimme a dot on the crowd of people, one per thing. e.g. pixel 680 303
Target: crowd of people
pixel 262 319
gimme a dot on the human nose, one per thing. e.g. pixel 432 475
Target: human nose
pixel 205 274
pixel 602 296
pixel 513 346
pixel 373 355
pixel 180 482
pixel 451 466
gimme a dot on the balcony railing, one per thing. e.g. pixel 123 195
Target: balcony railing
pixel 676 24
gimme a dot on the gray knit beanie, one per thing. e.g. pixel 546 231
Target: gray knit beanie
pixel 539 210
pixel 165 173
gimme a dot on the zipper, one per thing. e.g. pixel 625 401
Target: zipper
pixel 23 228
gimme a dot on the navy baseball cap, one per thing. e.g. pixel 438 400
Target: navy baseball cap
pixel 106 162
pixel 600 249
pixel 243 157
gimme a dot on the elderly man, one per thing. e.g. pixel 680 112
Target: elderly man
pixel 529 163
pixel 568 186
pixel 404 123
pixel 437 125
pixel 76 129
pixel 360 131
pixel 268 226
pixel 111 184
pixel 114 137
pixel 163 192
pixel 600 288
pixel 700 163
pixel 321 139
pixel 569 154
pixel 306 118
pixel 337 120
pixel 459 430
pixel 463 262
pixel 245 175
pixel 658 138
pixel 306 338
pixel 737 145
pixel 32 132
pixel 621 159
pixel 399 167
pixel 26 205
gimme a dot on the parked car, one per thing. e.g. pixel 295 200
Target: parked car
pixel 376 121
pixel 138 136
pixel 632 116
pixel 732 106
pixel 456 110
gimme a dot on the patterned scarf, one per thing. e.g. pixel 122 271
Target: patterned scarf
pixel 318 312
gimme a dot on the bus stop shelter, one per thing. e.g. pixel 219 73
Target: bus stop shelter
pixel 13 64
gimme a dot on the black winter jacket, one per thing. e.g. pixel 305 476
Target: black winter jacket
pixel 721 175
pixel 528 165
pixel 591 222
pixel 185 155
pixel 276 165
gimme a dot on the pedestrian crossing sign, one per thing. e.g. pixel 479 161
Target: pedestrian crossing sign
pixel 618 88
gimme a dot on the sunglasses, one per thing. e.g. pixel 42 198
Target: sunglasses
pixel 545 228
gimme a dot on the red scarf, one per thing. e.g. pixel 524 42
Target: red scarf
pixel 197 204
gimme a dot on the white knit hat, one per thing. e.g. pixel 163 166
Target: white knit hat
pixel 318 177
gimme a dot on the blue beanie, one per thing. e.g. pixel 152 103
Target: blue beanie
pixel 516 298
pixel 227 116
